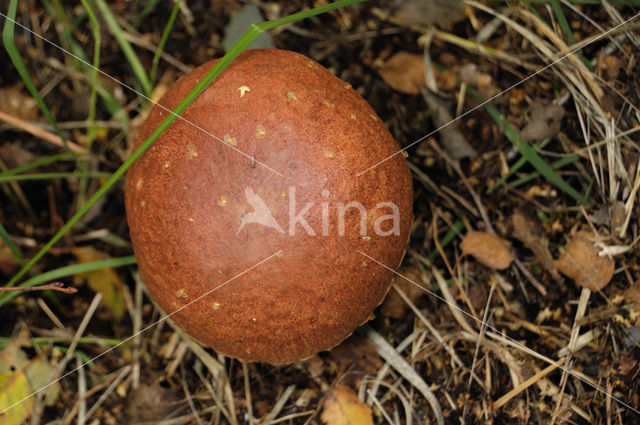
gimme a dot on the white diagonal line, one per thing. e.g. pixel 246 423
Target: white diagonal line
pixel 501 93
pixel 140 94
pixel 513 341
pixel 139 332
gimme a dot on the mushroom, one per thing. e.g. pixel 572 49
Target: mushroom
pixel 267 161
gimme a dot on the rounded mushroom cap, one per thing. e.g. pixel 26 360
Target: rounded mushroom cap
pixel 276 255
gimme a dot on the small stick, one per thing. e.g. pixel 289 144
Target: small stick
pixel 55 286
pixel 526 384
pixel 39 132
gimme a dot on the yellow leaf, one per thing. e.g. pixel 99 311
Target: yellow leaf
pixel 105 281
pixel 39 374
pixel 343 407
pixel 14 387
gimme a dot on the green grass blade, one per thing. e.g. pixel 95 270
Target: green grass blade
pixel 528 151
pixel 16 59
pixel 84 163
pixel 43 341
pixel 129 53
pixel 4 235
pixel 569 159
pixel 67 271
pixel 163 40
pixel 456 230
pixel 566 29
pixel 148 8
pixel 59 175
pixel 515 167
pixel 37 163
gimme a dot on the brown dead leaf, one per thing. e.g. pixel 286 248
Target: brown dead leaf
pixel 525 230
pixel 8 262
pixel 18 104
pixel 106 281
pixel 15 155
pixel 443 13
pixel 544 121
pixel 632 296
pixel 451 138
pixel 470 74
pixel 612 65
pixel 404 72
pixel 490 250
pixel 343 407
pixel 150 403
pixel 580 262
pixel 393 305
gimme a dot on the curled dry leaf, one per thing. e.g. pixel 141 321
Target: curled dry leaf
pixel 580 262
pixel 544 121
pixel 451 138
pixel 343 407
pixel 632 296
pixel 525 230
pixel 488 249
pixel 18 104
pixel 442 13
pixel 404 72
pixel 8 262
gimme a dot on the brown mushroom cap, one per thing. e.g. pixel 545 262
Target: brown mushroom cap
pixel 196 208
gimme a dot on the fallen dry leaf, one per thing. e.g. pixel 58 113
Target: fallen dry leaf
pixel 16 103
pixel 580 262
pixel 612 65
pixel 525 230
pixel 488 249
pixel 632 296
pixel 343 407
pixel 14 387
pixel 471 74
pixel 544 121
pixel 106 281
pixel 14 155
pixel 8 262
pixel 443 13
pixel 404 72
pixel 451 138
pixel 150 403
pixel 20 376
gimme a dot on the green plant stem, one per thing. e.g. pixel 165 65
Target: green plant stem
pixel 128 51
pixel 68 271
pixel 37 163
pixel 84 163
pixel 61 175
pixel 163 40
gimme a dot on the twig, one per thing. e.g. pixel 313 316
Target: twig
pixel 526 384
pixel 55 286
pixel 39 132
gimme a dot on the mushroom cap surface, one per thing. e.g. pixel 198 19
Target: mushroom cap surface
pixel 276 255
